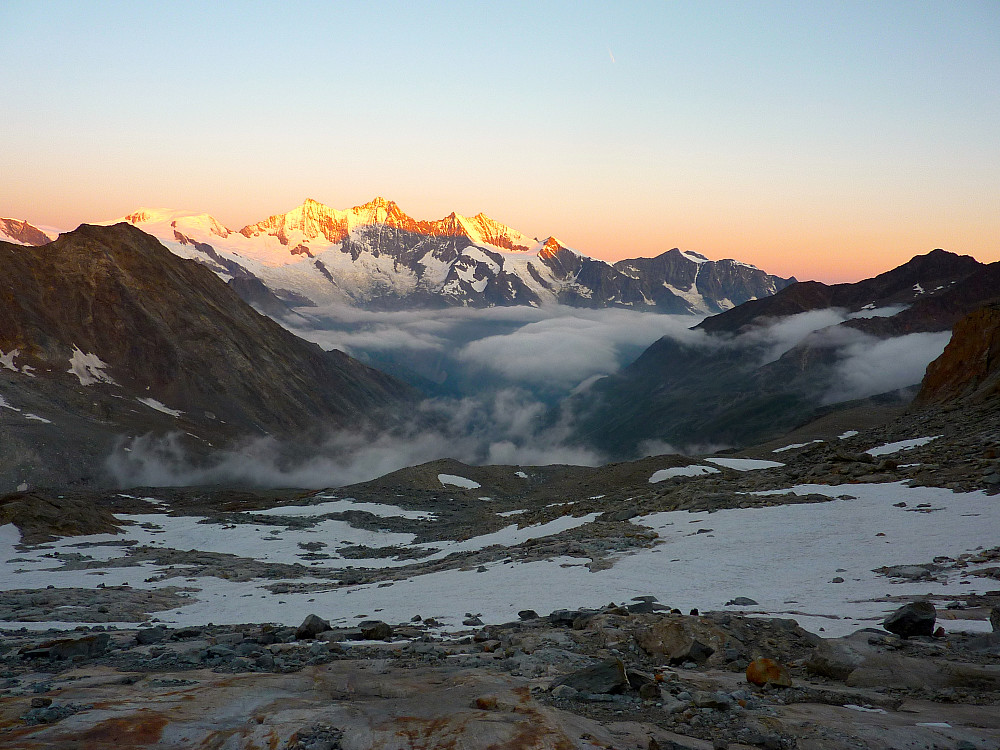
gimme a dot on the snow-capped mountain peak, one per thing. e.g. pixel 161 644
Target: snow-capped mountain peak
pixel 312 219
pixel 20 232
pixel 376 255
pixel 187 222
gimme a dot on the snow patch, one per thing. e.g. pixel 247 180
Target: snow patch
pixel 454 481
pixel 793 446
pixel 88 368
pixel 694 470
pixel 900 445
pixel 340 506
pixel 152 403
pixel 745 464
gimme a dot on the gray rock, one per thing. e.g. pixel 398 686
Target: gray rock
pixel 606 677
pixel 672 705
pixel 527 614
pixel 915 618
pixel 219 651
pixel 650 691
pixel 837 658
pixel 718 701
pixel 146 636
pixel 312 626
pixel 741 601
pixel 564 618
pixel 895 671
pixel 564 691
pixel 910 572
pixel 67 648
pixel 375 630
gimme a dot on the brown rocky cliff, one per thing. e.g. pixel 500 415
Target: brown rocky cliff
pixel 969 367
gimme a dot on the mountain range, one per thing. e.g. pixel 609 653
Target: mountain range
pixel 377 257
pixel 109 331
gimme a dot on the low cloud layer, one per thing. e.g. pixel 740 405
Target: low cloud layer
pixel 505 427
pixel 554 348
pixel 870 366
pixel 505 371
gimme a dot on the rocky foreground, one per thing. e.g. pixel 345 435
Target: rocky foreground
pixel 636 675
pixel 316 669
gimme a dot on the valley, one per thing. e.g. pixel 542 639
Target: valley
pixel 559 522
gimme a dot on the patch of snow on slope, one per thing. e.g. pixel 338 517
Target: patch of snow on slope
pixel 454 481
pixel 340 506
pixel 7 362
pixel 152 403
pixel 745 464
pixel 848 434
pixel 900 445
pixel 868 311
pixel 5 404
pixel 695 257
pixel 694 470
pixel 793 446
pixel 88 368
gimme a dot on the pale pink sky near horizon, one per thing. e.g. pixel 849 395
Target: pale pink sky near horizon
pixel 827 141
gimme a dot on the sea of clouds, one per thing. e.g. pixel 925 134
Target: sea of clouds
pixel 497 379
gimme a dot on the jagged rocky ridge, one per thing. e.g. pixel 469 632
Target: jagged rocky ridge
pixel 105 332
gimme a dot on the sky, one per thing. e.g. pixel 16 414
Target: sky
pixel 823 140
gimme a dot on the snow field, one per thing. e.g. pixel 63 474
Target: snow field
pixel 785 557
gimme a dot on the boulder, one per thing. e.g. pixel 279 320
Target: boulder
pixel 768 672
pixel 895 671
pixel 145 636
pixel 915 618
pixel 312 626
pixel 67 648
pixel 605 677
pixel 717 701
pixel 681 639
pixel 839 657
pixel 375 630
pixel 650 692
pixel 995 619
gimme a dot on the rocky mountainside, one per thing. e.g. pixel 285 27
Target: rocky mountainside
pixel 765 367
pixel 105 332
pixel 376 256
pixel 969 368
pixel 919 285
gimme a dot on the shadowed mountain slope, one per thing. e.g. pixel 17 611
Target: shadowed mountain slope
pixel 106 328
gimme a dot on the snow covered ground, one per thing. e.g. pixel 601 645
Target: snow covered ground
pixel 785 557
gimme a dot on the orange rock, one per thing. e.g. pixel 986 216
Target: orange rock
pixel 486 703
pixel 768 672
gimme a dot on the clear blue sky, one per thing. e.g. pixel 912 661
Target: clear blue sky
pixel 828 140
